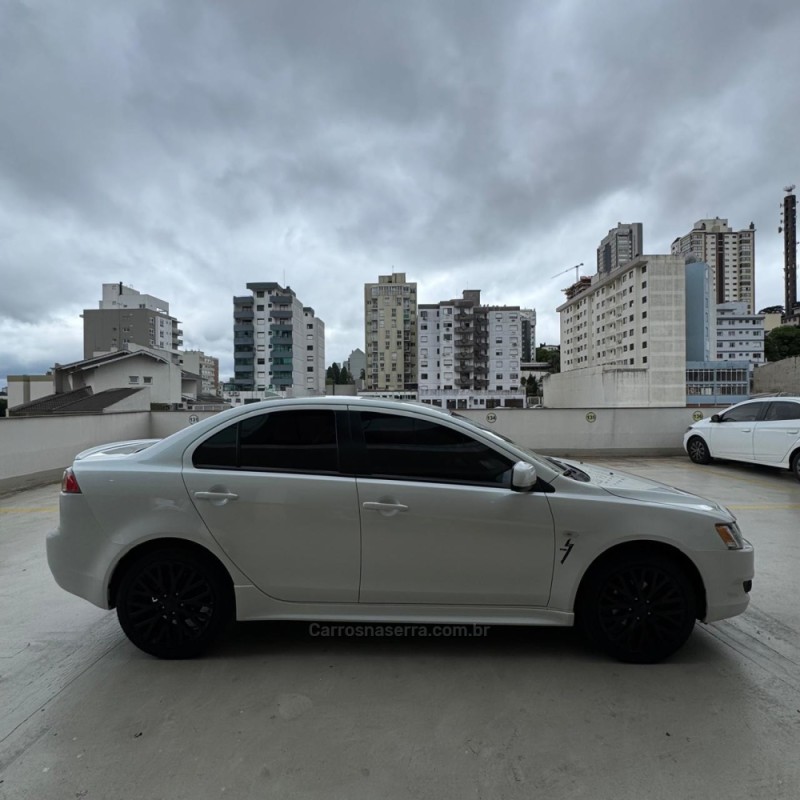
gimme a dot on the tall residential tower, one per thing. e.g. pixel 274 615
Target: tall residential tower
pixel 730 254
pixel 390 332
pixel 277 343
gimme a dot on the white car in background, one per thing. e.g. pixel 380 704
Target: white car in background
pixel 765 430
pixel 356 510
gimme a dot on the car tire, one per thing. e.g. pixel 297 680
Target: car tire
pixel 174 603
pixel 698 450
pixel 796 465
pixel 638 607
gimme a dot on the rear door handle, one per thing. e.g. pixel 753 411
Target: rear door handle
pixel 386 508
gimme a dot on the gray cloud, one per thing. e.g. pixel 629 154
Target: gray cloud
pixel 188 150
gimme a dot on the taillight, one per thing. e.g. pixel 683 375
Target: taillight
pixel 69 483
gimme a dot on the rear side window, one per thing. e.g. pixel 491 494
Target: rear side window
pixel 422 449
pixel 294 441
pixel 782 409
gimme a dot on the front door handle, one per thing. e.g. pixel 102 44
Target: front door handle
pixel 746 430
pixel 385 508
pixel 216 497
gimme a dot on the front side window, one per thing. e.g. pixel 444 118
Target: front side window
pixel 748 412
pixel 422 449
pixel 293 441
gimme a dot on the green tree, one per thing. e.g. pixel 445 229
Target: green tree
pixel 344 376
pixel 782 342
pixel 552 357
pixel 772 310
pixel 333 373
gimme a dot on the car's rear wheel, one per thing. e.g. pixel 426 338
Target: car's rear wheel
pixel 638 607
pixel 173 603
pixel 698 450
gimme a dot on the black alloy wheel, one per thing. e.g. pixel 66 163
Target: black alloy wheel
pixel 796 465
pixel 698 451
pixel 638 608
pixel 173 603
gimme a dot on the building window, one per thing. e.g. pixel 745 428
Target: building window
pixel 133 379
pixel 147 379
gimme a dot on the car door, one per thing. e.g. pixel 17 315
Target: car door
pixel 440 523
pixel 270 490
pixel 732 436
pixel 776 436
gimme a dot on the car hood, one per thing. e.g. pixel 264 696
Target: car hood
pixel 632 487
pixel 117 448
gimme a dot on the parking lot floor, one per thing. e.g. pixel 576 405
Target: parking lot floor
pixel 276 711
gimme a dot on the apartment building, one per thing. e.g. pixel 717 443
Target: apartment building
pixel 278 344
pixel 126 316
pixel 623 337
pixel 740 335
pixel 207 367
pixel 729 253
pixel 314 352
pixel 620 245
pixel 390 333
pixel 527 318
pixel 468 354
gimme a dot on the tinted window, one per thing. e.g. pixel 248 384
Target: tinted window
pixel 408 447
pixel 746 413
pixel 217 452
pixel 292 440
pixel 783 410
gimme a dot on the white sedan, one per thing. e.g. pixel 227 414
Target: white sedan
pixel 355 510
pixel 765 430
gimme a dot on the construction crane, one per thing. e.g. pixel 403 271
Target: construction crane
pixel 576 268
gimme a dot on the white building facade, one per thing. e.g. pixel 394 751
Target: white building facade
pixel 314 352
pixel 623 338
pixel 740 335
pixel 468 354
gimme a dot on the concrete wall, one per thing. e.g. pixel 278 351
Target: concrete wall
pixel 613 387
pixel 37 449
pixel 778 376
pixel 613 431
pixel 164 423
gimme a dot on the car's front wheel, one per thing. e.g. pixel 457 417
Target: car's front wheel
pixel 698 450
pixel 638 607
pixel 796 465
pixel 173 603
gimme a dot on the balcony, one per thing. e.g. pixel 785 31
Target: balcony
pixel 243 315
pixel 280 328
pixel 277 313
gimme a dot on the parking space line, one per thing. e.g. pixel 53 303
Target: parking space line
pixel 21 510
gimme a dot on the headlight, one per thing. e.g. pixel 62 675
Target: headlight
pixel 730 534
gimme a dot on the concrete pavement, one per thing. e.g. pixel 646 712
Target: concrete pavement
pixel 520 713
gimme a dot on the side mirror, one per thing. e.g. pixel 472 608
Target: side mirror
pixel 523 477
pixel 715 418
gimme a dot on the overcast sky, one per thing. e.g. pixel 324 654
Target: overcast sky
pixel 187 149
